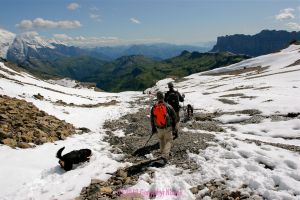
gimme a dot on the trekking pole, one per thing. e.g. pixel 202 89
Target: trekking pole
pixel 148 140
pixel 183 111
pixel 144 146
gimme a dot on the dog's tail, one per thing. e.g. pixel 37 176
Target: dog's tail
pixel 58 154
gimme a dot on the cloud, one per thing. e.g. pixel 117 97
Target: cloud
pixel 31 34
pixel 100 41
pixel 63 37
pixel 95 17
pixel 86 41
pixel 134 20
pixel 293 26
pixel 285 14
pixel 94 9
pixel 25 24
pixel 42 23
pixel 73 6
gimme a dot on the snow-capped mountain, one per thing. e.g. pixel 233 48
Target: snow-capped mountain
pixel 6 39
pixel 31 49
pixel 29 45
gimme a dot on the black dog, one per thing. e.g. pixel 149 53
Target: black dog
pixel 74 157
pixel 190 111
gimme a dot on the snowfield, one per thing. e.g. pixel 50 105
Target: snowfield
pixel 35 173
pixel 257 156
pixel 273 89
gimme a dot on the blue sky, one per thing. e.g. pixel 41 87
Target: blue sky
pixel 147 21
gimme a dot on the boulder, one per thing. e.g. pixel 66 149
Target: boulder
pixel 9 142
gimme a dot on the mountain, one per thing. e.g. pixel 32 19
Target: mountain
pixel 192 62
pixel 138 72
pixel 6 39
pixel 159 51
pixel 29 48
pixel 162 51
pixel 134 71
pixel 267 41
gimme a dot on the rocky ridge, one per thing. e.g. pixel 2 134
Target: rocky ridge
pixel 23 125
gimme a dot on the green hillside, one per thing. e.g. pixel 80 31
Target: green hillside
pixel 130 72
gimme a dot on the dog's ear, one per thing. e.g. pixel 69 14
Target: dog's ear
pixel 62 163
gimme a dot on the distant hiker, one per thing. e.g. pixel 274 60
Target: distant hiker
pixel 173 98
pixel 163 122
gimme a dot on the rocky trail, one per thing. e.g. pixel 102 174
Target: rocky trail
pixel 193 137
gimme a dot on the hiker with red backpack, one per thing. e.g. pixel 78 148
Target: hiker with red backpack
pixel 163 122
pixel 173 98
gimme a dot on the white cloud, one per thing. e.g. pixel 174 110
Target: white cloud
pixel 31 34
pixel 25 24
pixel 42 23
pixel 73 6
pixel 100 41
pixel 287 13
pixel 94 9
pixel 135 21
pixel 62 37
pixel 86 41
pixel 293 26
pixel 95 17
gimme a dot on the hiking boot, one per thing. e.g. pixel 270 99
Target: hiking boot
pixel 164 160
pixel 160 162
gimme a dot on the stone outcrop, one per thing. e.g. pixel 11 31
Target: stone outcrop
pixel 265 42
pixel 22 124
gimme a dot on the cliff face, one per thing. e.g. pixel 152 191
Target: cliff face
pixel 254 45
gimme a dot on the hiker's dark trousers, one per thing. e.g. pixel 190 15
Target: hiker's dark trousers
pixel 177 120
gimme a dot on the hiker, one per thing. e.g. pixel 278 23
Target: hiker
pixel 173 98
pixel 163 122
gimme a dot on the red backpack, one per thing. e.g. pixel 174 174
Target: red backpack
pixel 160 115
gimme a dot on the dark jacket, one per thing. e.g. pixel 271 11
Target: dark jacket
pixel 180 98
pixel 172 118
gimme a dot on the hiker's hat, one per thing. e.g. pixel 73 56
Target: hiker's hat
pixel 170 85
pixel 160 95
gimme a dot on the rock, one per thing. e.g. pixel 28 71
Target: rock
pixel 200 187
pixel 106 190
pixel 97 181
pixel 122 173
pixel 38 96
pixel 3 116
pixel 127 180
pixel 27 137
pixel 24 145
pixel 5 127
pixel 3 134
pixel 194 190
pixel 84 130
pixel 9 142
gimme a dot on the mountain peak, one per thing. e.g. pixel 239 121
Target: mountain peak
pixel 33 40
pixel 6 39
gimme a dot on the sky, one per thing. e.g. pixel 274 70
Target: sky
pixel 111 22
